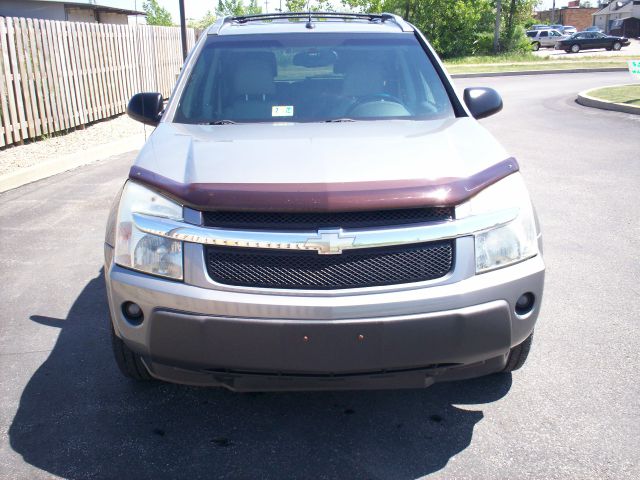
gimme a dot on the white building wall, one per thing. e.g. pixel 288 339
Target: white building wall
pixel 117 18
pixel 600 21
pixel 75 14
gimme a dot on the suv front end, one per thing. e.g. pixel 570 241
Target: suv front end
pixel 287 258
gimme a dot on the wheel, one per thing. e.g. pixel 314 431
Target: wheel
pixel 536 46
pixel 128 361
pixel 575 48
pixel 617 46
pixel 518 355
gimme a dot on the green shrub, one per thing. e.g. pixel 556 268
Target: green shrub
pixel 517 43
pixel 483 45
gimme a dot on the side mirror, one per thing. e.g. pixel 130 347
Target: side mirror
pixel 146 108
pixel 482 102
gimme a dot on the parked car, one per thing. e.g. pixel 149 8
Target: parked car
pixel 591 40
pixel 317 208
pixel 544 38
pixel 593 29
pixel 568 30
pixel 540 27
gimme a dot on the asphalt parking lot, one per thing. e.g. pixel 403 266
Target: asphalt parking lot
pixel 572 412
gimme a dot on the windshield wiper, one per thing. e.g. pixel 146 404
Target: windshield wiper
pixel 219 122
pixel 337 120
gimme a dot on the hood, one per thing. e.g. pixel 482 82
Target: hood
pixel 322 167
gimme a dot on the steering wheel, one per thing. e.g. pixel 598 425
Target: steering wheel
pixel 375 97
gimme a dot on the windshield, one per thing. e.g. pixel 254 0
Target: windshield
pixel 312 78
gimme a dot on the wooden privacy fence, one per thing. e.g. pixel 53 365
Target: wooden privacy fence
pixel 59 75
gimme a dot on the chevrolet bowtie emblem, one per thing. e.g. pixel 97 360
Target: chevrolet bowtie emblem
pixel 330 242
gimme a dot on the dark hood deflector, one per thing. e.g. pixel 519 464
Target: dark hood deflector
pixel 326 197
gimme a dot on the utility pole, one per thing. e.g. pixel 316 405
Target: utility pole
pixel 496 31
pixel 553 12
pixel 183 30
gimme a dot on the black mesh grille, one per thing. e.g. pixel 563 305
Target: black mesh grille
pixel 309 270
pixel 315 220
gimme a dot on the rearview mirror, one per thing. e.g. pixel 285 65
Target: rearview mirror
pixel 314 58
pixel 482 101
pixel 146 107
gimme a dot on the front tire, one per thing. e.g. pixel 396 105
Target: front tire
pixel 536 46
pixel 518 355
pixel 617 46
pixel 575 48
pixel 129 362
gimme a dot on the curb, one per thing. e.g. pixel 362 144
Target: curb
pixel 67 162
pixel 538 72
pixel 589 101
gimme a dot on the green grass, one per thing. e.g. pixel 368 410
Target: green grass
pixel 506 58
pixel 549 65
pixel 521 62
pixel 627 94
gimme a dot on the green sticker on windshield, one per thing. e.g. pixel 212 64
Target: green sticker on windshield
pixel 282 111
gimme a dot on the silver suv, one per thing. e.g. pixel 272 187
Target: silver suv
pixel 544 38
pixel 319 209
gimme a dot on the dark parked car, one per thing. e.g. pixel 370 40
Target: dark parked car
pixel 589 40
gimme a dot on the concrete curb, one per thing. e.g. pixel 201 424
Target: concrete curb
pixel 67 162
pixel 538 72
pixel 588 101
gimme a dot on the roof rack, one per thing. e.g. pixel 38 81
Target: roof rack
pixel 371 17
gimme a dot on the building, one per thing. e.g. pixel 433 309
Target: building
pixel 92 11
pixel 574 15
pixel 620 17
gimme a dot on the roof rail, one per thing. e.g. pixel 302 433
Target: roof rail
pixel 371 17
pixel 218 24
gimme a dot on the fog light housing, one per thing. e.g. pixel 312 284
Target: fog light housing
pixel 525 303
pixel 132 313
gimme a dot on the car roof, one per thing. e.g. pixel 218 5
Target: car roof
pixel 309 22
pixel 293 22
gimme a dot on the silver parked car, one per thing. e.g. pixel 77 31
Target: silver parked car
pixel 544 38
pixel 318 208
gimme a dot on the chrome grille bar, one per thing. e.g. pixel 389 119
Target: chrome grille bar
pixel 324 241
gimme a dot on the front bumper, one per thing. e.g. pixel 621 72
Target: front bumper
pixel 379 338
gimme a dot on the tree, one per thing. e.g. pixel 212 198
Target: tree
pixel 515 19
pixel 156 15
pixel 295 5
pixel 230 7
pixel 253 8
pixel 364 6
pixel 451 26
pixel 237 7
pixel 204 22
pixel 496 30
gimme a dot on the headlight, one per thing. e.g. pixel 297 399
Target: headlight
pixel 142 251
pixel 510 243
